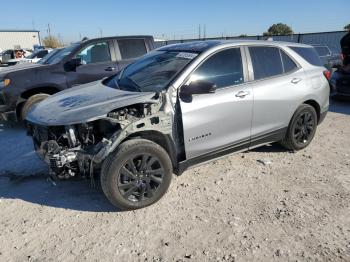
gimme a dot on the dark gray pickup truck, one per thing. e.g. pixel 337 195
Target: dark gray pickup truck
pixel 22 86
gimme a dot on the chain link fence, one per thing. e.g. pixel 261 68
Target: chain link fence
pixel 330 39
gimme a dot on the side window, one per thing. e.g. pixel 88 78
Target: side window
pixel 132 48
pixel 95 53
pixel 223 69
pixel 288 63
pixel 309 54
pixel 266 61
pixel 43 53
pixel 322 50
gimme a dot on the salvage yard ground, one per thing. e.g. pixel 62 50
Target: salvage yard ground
pixel 267 204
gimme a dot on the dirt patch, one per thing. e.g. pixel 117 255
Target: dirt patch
pixel 267 204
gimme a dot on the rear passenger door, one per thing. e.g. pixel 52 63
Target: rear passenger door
pixel 98 61
pixel 277 82
pixel 128 50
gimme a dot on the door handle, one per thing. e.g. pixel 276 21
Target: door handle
pixel 295 80
pixel 110 68
pixel 242 94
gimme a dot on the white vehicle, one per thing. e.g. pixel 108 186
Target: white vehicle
pixel 9 54
pixel 32 58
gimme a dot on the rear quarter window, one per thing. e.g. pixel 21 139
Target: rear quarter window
pixel 132 48
pixel 309 54
pixel 322 50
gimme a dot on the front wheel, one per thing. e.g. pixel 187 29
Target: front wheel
pixel 31 101
pixel 137 175
pixel 301 129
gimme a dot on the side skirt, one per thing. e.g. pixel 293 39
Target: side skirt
pixel 241 146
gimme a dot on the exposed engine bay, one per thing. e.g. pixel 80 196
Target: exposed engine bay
pixel 78 149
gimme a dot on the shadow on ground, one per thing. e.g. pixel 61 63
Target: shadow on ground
pixel 24 176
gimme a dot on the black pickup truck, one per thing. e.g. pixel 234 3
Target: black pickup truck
pixel 22 86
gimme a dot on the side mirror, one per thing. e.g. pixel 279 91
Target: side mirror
pixel 198 87
pixel 72 64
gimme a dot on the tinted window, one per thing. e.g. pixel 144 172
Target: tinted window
pixel 223 69
pixel 132 48
pixel 266 61
pixel 42 53
pixel 288 63
pixel 95 53
pixel 309 54
pixel 322 50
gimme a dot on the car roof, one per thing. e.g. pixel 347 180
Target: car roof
pixel 201 46
pixel 117 37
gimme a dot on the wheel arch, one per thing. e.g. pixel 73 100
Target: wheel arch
pixel 316 106
pixel 50 90
pixel 164 140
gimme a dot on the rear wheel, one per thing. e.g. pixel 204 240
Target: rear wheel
pixel 137 175
pixel 31 101
pixel 301 129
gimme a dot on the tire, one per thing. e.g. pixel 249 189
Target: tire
pixel 301 129
pixel 30 102
pixel 130 188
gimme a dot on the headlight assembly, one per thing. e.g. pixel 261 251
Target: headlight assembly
pixel 5 82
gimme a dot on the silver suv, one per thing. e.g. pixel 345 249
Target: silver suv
pixel 179 106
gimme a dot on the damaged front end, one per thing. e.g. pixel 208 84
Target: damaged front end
pixel 78 149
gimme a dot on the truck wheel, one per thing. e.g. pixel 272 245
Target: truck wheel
pixel 301 129
pixel 30 102
pixel 136 175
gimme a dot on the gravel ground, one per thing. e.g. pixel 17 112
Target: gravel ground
pixel 264 205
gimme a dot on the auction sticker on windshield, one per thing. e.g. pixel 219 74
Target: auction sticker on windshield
pixel 186 55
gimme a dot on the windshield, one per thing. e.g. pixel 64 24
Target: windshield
pixel 34 54
pixel 55 57
pixel 152 73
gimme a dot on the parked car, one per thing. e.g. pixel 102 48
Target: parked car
pixel 340 80
pixel 179 106
pixel 9 54
pixel 329 57
pixel 24 85
pixel 32 58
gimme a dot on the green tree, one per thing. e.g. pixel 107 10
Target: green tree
pixel 279 29
pixel 51 42
pixel 347 27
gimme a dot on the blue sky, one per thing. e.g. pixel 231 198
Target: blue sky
pixel 167 19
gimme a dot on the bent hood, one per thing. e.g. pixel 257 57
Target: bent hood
pixel 84 103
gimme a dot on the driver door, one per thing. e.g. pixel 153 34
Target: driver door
pixel 221 120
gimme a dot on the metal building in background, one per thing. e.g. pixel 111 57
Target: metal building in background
pixel 10 39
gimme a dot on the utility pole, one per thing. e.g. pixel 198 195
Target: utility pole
pixel 199 31
pixel 205 31
pixel 48 30
pixel 101 32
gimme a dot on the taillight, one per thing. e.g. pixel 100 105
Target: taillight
pixel 327 74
